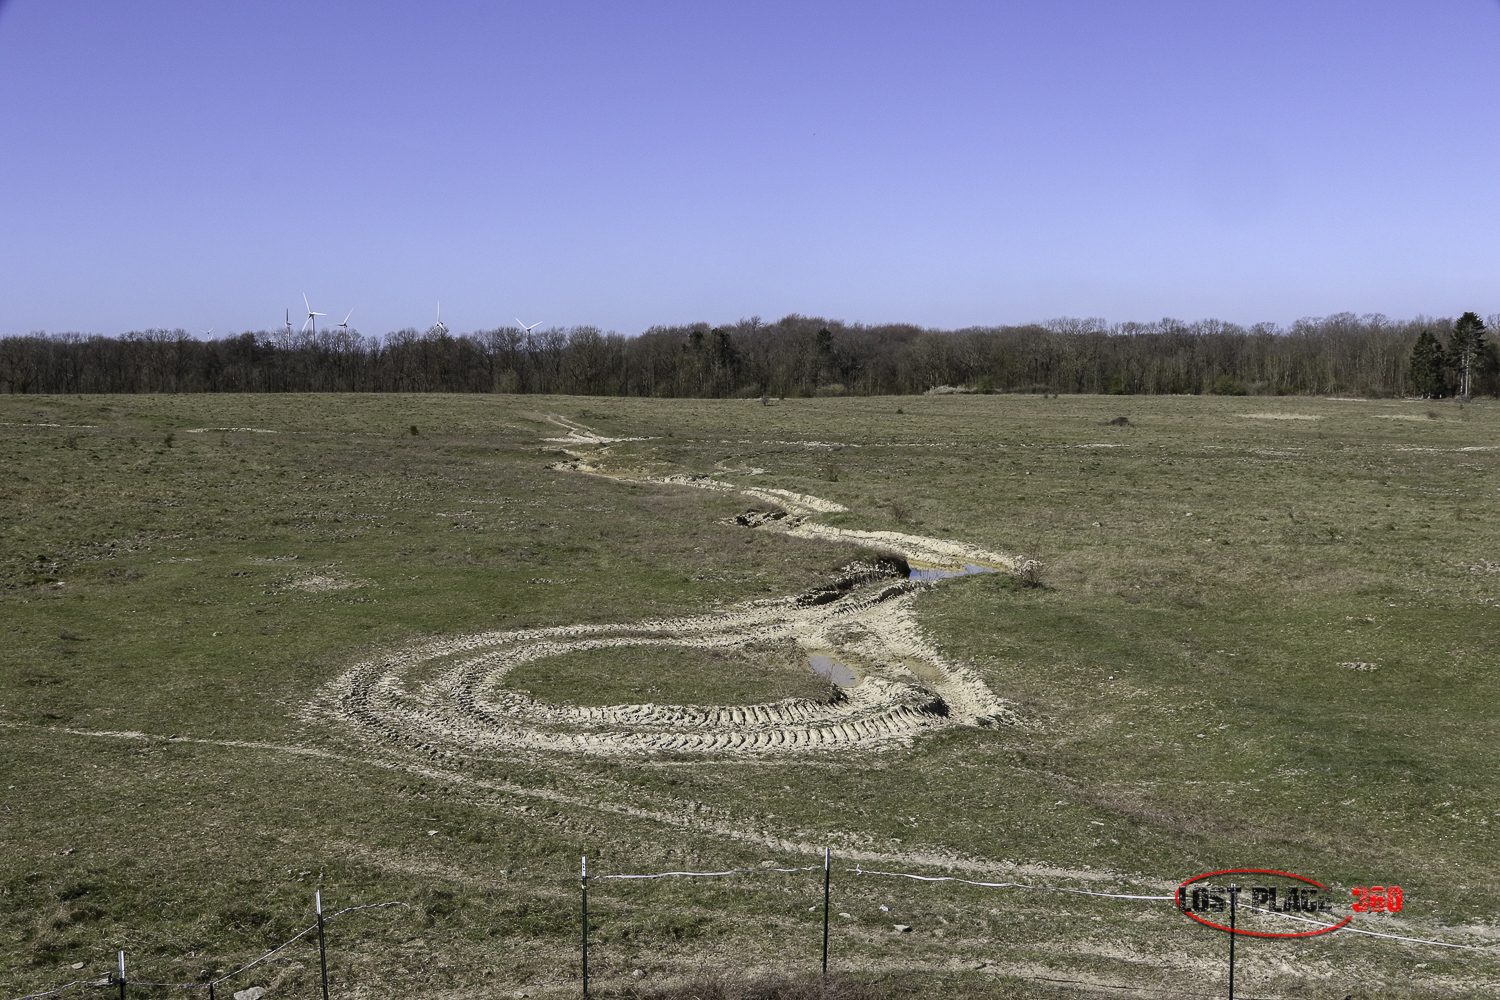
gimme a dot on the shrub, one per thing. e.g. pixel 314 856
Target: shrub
pixel 1228 385
pixel 1030 573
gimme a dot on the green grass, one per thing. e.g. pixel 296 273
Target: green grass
pixel 1208 575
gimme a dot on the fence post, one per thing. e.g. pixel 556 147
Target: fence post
pixel 584 881
pixel 827 877
pixel 122 975
pixel 322 947
pixel 1234 892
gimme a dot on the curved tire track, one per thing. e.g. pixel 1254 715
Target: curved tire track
pixel 449 697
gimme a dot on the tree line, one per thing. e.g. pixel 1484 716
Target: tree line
pixel 794 356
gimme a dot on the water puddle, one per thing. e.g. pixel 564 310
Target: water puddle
pixel 925 575
pixel 833 671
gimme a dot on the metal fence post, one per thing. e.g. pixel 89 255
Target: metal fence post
pixel 1234 892
pixel 122 975
pixel 322 947
pixel 584 882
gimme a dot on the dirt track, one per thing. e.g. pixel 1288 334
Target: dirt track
pixel 449 695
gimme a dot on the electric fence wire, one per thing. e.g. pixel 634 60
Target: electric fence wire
pixel 1120 895
pixel 863 871
pixel 857 870
pixel 68 986
pixel 1003 885
pixel 1360 930
pixel 228 975
pixel 732 871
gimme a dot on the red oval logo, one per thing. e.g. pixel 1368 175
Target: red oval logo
pixel 1269 895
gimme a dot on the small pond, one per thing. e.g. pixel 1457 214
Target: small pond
pixel 923 575
pixel 831 670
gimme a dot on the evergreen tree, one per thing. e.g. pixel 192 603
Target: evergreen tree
pixel 1465 348
pixel 1487 370
pixel 1428 365
pixel 726 362
pixel 725 354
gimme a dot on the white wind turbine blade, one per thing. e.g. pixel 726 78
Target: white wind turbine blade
pixel 345 323
pixel 306 303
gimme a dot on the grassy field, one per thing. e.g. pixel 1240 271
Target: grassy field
pixel 183 575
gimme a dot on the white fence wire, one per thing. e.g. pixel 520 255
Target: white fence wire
pixel 208 984
pixel 858 871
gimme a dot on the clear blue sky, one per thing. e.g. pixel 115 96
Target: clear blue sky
pixel 168 163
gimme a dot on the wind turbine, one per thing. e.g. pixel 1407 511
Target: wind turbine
pixel 528 329
pixel 310 314
pixel 345 324
pixel 438 326
pixel 289 324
